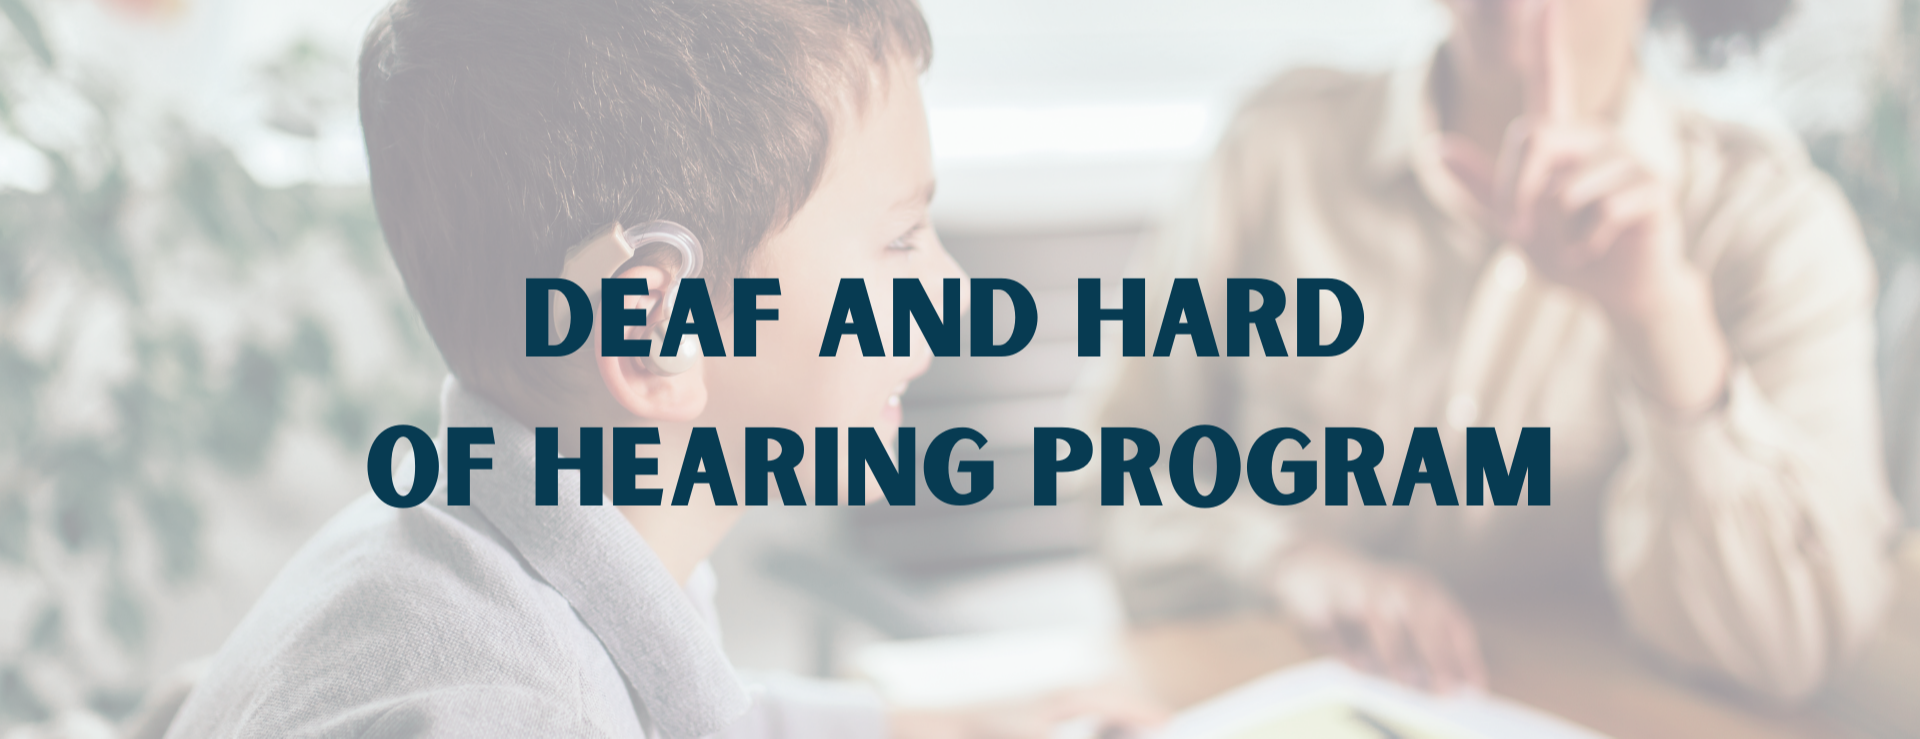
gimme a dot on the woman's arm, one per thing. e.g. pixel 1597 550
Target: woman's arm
pixel 1751 538
pixel 1747 532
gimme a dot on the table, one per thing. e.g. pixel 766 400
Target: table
pixel 1568 658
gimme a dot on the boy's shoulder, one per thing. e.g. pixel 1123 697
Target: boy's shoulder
pixel 416 621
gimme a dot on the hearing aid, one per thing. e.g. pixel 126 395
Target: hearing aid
pixel 611 251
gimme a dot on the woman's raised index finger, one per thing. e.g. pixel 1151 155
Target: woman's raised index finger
pixel 1546 62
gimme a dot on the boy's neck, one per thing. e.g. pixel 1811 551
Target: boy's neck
pixel 681 536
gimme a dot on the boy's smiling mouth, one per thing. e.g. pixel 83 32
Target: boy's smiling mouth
pixel 890 411
pixel 890 414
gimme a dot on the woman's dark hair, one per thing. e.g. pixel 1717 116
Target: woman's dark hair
pixel 1718 27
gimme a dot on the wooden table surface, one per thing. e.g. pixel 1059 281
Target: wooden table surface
pixel 1568 659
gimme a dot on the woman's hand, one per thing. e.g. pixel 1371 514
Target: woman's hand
pixel 1391 621
pixel 1569 192
pixel 1591 215
pixel 1097 712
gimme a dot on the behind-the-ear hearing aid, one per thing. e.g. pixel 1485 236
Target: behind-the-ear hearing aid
pixel 611 251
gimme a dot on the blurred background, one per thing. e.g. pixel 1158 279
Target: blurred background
pixel 200 329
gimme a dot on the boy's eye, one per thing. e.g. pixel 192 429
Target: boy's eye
pixel 907 241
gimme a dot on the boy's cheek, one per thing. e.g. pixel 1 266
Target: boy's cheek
pixel 795 392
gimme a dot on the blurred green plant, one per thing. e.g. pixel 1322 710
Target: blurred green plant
pixel 1878 165
pixel 1878 162
pixel 117 405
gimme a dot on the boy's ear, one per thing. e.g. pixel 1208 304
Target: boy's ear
pixel 674 398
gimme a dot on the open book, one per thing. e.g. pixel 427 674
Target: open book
pixel 1322 699
pixel 1325 699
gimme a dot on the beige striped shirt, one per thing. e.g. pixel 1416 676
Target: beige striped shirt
pixel 1752 544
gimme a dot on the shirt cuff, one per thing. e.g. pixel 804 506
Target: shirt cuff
pixel 1743 423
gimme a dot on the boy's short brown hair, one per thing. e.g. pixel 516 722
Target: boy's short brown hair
pixel 501 132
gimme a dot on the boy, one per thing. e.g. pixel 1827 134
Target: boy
pixel 789 138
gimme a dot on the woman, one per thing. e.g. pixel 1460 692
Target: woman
pixel 1543 240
